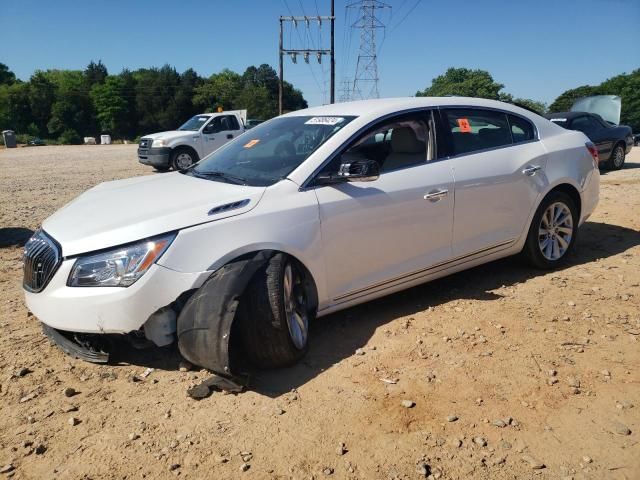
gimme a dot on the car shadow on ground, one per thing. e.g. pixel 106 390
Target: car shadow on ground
pixel 14 236
pixel 337 336
pixel 627 166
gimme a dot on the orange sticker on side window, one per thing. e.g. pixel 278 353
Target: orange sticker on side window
pixel 463 123
pixel 251 143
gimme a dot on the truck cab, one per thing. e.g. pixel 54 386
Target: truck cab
pixel 195 139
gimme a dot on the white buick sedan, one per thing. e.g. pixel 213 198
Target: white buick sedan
pixel 306 214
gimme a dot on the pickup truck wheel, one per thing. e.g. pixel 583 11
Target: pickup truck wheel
pixel 182 158
pixel 616 162
pixel 276 313
pixel 553 231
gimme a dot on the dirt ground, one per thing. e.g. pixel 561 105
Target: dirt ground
pixel 509 368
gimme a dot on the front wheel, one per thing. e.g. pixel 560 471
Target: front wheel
pixel 553 231
pixel 616 162
pixel 276 312
pixel 182 158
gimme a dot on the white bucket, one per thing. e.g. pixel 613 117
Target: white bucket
pixel 89 140
pixel 105 139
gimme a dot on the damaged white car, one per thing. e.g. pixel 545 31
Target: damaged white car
pixel 306 214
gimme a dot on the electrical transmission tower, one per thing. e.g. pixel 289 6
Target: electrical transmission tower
pixel 345 91
pixel 365 83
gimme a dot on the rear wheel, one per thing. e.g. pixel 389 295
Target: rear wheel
pixel 182 158
pixel 553 231
pixel 276 312
pixel 616 162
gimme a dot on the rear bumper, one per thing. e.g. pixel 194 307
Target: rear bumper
pixel 156 157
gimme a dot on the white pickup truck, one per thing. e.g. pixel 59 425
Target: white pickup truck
pixel 197 138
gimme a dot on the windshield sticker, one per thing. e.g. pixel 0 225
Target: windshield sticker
pixel 464 125
pixel 558 119
pixel 251 143
pixel 324 121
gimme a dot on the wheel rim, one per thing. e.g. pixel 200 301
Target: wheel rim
pixel 618 157
pixel 295 306
pixel 183 160
pixel 555 231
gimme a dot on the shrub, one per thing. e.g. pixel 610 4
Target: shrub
pixel 70 137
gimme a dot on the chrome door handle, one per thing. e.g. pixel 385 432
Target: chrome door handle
pixel 436 195
pixel 530 171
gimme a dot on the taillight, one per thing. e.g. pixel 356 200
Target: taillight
pixel 594 153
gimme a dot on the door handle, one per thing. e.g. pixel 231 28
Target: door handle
pixel 531 170
pixel 436 195
pixel 229 135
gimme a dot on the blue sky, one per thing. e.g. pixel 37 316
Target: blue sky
pixel 537 48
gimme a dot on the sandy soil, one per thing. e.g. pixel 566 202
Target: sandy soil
pixel 537 367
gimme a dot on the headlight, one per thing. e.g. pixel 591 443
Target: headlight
pixel 119 267
pixel 159 142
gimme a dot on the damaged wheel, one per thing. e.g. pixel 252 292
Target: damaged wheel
pixel 276 310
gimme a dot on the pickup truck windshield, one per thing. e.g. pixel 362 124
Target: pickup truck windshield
pixel 194 123
pixel 270 151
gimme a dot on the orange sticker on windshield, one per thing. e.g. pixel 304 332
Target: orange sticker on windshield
pixel 463 123
pixel 252 143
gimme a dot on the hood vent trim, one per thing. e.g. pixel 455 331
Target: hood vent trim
pixel 229 206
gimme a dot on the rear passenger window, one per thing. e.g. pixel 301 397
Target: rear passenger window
pixel 521 129
pixel 476 129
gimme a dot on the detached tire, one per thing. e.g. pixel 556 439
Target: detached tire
pixel 182 158
pixel 275 312
pixel 553 231
pixel 616 161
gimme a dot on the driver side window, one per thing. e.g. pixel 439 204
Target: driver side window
pixel 398 143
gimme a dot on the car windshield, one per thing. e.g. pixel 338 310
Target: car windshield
pixel 194 123
pixel 269 151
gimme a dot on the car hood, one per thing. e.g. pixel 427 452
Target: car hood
pixel 607 106
pixel 123 211
pixel 171 134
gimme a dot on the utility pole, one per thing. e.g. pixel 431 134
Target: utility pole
pixel 305 52
pixel 365 83
pixel 333 55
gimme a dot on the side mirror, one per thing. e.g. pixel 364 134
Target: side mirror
pixel 356 171
pixel 210 129
pixel 360 171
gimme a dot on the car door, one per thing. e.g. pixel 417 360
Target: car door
pixel 377 233
pixel 219 131
pixel 498 165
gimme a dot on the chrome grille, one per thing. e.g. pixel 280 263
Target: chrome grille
pixel 42 257
pixel 145 143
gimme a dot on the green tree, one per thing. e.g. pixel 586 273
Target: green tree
pixel 463 82
pixel 110 105
pixel 219 90
pixel 7 77
pixel 534 105
pixel 42 95
pixel 15 112
pixel 564 102
pixel 72 109
pixel 627 87
pixel 95 73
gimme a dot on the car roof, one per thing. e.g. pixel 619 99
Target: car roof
pixel 382 106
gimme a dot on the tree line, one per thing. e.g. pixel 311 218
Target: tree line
pixel 66 105
pixel 480 83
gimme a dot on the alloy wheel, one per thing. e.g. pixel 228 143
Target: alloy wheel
pixel 555 231
pixel 618 157
pixel 295 305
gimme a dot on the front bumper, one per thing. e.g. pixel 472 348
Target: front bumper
pixel 109 309
pixel 156 157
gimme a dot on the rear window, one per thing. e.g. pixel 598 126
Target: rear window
pixel 477 129
pixel 521 130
